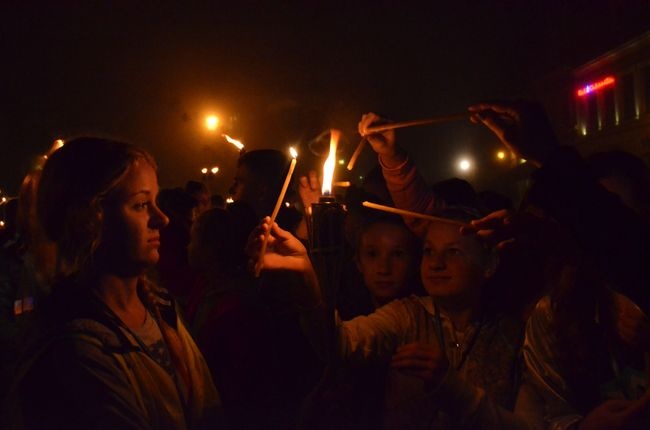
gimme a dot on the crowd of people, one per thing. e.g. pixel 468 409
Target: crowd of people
pixel 128 307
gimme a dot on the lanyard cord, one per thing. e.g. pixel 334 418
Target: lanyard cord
pixel 441 337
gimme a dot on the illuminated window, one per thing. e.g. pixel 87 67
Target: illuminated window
pixel 592 113
pixel 629 102
pixel 609 108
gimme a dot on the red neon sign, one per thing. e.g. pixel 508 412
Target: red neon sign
pixel 596 86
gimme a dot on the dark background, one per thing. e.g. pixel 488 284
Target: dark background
pixel 281 73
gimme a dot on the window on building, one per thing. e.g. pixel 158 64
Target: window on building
pixel 592 113
pixel 628 99
pixel 609 108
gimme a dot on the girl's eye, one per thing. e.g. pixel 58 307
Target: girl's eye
pixel 370 253
pixel 141 205
pixel 452 252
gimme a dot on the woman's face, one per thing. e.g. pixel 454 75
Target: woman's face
pixel 386 261
pixel 454 267
pixel 132 220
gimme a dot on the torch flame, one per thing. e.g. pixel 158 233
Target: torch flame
pixel 330 163
pixel 235 142
pixel 293 152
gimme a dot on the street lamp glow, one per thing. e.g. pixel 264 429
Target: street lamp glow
pixel 501 155
pixel 214 170
pixel 212 122
pixel 464 165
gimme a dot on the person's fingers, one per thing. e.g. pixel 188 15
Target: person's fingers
pixel 505 244
pixel 303 181
pixel 314 183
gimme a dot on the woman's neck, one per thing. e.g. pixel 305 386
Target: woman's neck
pixel 121 296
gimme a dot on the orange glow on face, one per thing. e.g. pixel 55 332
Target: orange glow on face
pixel 587 89
pixel 330 163
pixel 235 142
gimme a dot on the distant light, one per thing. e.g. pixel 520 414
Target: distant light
pixel 44 157
pixel 4 200
pixel 211 122
pixel 361 178
pixel 287 204
pixel 229 200
pixel 523 161
pixel 204 170
pixel 589 88
pixel 501 155
pixel 58 144
pixel 341 161
pixel 214 170
pixel 2 223
pixel 464 165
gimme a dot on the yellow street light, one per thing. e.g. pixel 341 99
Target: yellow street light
pixel 211 122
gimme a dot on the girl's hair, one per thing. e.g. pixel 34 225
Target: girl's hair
pixel 75 181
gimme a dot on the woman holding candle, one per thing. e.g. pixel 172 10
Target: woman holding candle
pixel 108 350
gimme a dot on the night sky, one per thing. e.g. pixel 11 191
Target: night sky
pixel 280 74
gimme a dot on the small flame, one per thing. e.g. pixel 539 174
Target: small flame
pixel 330 163
pixel 229 200
pixel 235 142
pixel 293 152
pixel 204 170
pixel 214 170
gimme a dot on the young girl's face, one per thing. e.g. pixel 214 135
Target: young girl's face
pixel 453 266
pixel 132 220
pixel 387 261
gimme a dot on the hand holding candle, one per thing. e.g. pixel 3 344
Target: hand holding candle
pixel 278 204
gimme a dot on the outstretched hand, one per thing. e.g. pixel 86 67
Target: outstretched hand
pixel 309 189
pixel 523 127
pixel 283 251
pixel 382 143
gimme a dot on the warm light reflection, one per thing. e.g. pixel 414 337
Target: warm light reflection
pixel 235 142
pixel 211 122
pixel 330 163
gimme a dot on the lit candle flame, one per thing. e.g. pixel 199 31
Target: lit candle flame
pixel 330 163
pixel 214 170
pixel 229 200
pixel 235 142
pixel 204 170
pixel 293 152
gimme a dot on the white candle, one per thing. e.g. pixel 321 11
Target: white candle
pixel 278 204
